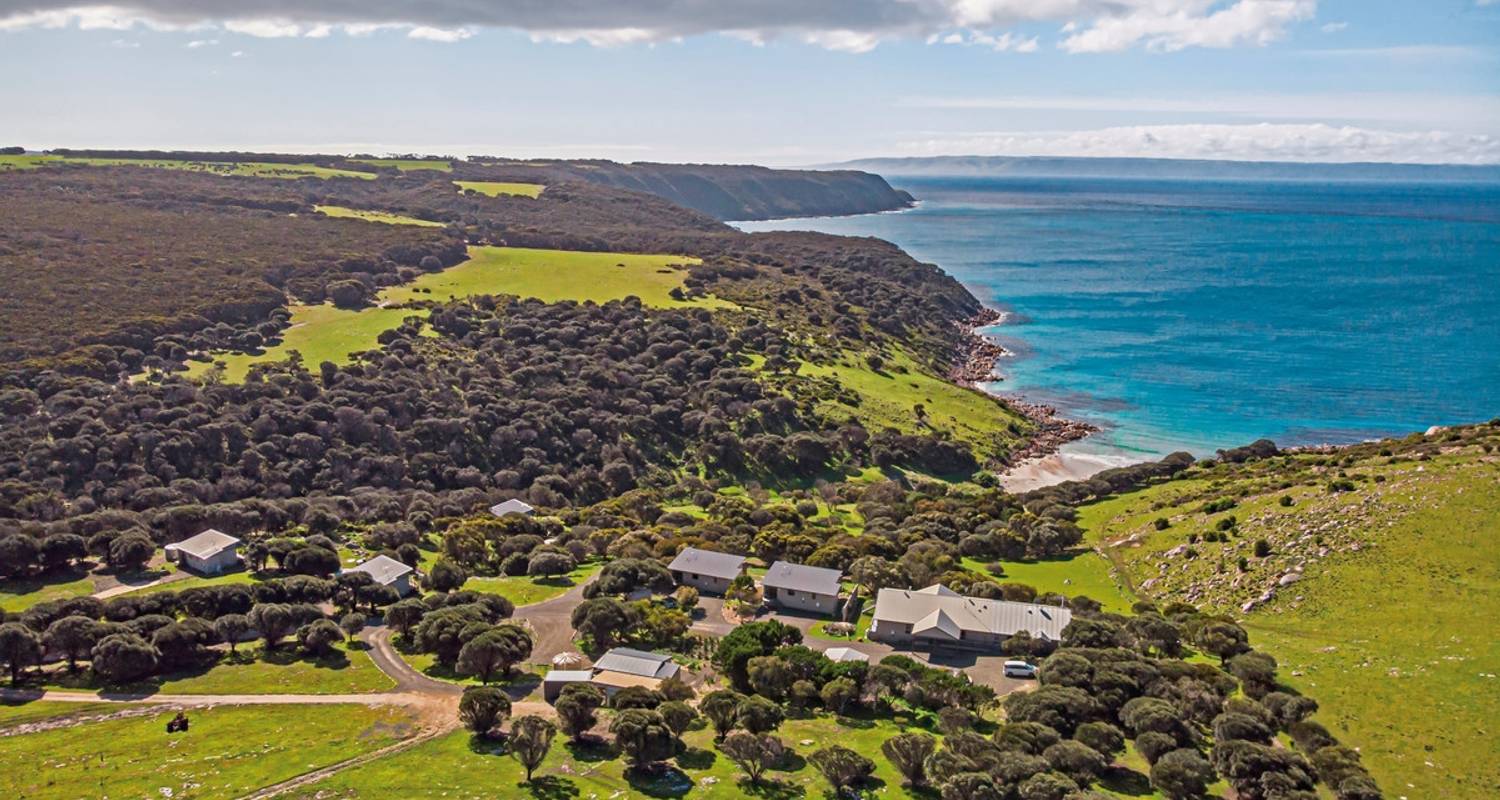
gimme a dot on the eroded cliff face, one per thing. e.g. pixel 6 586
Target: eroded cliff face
pixel 749 192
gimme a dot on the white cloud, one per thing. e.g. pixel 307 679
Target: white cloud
pixel 199 43
pixel 1334 27
pixel 1001 43
pixel 1261 142
pixel 237 54
pixel 853 26
pixel 439 34
pixel 1166 27
pixel 125 44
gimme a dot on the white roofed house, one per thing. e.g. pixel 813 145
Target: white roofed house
pixel 706 570
pixel 387 571
pixel 802 588
pixel 210 552
pixel 615 670
pixel 938 616
pixel 512 507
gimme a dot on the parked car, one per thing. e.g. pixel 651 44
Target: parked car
pixel 1019 669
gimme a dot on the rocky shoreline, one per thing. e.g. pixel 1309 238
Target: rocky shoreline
pixel 975 364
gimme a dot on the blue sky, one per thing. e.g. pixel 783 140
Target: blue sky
pixel 770 81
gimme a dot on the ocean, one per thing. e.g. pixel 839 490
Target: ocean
pixel 1198 315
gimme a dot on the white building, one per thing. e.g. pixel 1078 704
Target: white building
pixel 210 552
pixel 388 571
pixel 512 507
pixel 797 587
pixel 706 570
pixel 938 616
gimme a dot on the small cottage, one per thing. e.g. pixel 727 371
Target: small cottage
pixel 210 552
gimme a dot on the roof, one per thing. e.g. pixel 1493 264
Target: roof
pixel 637 662
pixel 708 562
pixel 511 507
pixel 940 612
pixel 800 578
pixel 384 569
pixel 568 676
pixel 206 544
pixel 845 654
pixel 621 680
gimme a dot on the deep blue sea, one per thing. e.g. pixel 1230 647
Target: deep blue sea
pixel 1199 315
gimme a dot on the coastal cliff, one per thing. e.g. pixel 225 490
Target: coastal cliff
pixel 734 192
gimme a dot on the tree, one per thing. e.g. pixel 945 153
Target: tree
pixel 20 647
pixel 752 753
pixel 319 636
pixel 18 554
pixel 841 767
pixel 576 706
pixel 838 693
pixel 769 677
pixel 1223 639
pixel 603 620
pixel 678 716
pixel 352 623
pixel 908 753
pixel 722 707
pixel 529 741
pixel 1078 761
pixel 446 575
pixel 347 586
pixel 971 786
pixel 129 552
pixel 230 627
pixel 1182 774
pixel 759 715
pixel 405 615
pixel 60 549
pixel 123 657
pixel 494 652
pixel 749 641
pixel 1046 786
pixel 1102 736
pixel 312 560
pixel 73 636
pixel 181 644
pixel 482 708
pixel 643 737
pixel 547 563
pixel 375 595
pixel 273 621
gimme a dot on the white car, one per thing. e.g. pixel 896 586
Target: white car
pixel 1019 669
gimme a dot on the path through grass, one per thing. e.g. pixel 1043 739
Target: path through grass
pixel 228 752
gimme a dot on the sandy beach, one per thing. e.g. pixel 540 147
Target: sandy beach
pixel 1057 467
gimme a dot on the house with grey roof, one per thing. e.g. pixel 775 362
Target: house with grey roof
pixel 210 552
pixel 619 668
pixel 706 570
pixel 512 507
pixel 938 616
pixel 387 571
pixel 797 587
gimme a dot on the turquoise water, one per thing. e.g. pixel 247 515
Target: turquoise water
pixel 1200 315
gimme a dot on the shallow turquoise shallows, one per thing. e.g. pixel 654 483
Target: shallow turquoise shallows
pixel 1205 314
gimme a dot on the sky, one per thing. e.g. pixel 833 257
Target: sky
pixel 779 82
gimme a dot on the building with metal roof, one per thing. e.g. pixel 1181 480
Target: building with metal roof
pixel 938 615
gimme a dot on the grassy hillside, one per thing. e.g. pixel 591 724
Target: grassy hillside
pixel 375 216
pixel 498 188
pixel 1391 624
pixel 248 168
pixel 325 333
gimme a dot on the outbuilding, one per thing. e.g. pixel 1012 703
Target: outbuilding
pixel 845 654
pixel 388 571
pixel 556 680
pixel 706 570
pixel 797 587
pixel 512 507
pixel 210 552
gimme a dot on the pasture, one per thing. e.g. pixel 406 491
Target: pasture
pixel 497 188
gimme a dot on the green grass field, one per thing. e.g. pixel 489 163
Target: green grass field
pixel 1396 640
pixel 524 590
pixel 1084 573
pixel 375 216
pixel 348 671
pixel 228 752
pixel 17 595
pixel 888 399
pixel 497 188
pixel 407 164
pixel 245 168
pixel 459 768
pixel 18 713
pixel 325 333
pixel 556 275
